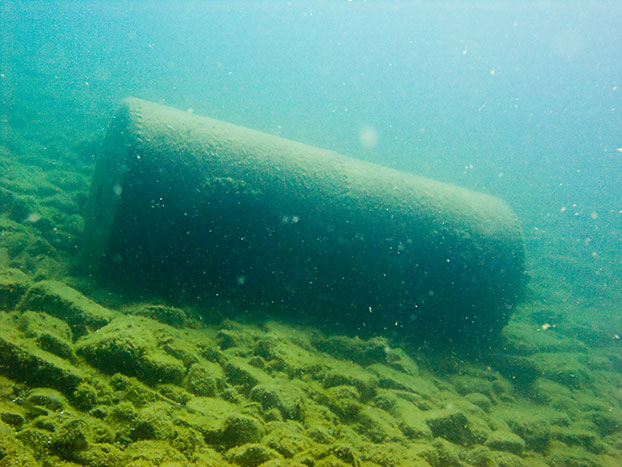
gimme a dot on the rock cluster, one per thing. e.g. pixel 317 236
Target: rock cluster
pixel 152 385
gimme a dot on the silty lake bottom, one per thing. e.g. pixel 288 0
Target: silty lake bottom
pixel 97 375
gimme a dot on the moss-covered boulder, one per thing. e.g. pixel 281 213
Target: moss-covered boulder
pixel 165 314
pixel 533 425
pixel 527 339
pixel 282 395
pixel 100 455
pixel 13 450
pixel 569 369
pixel 292 358
pixel 221 423
pixel 152 452
pixel 412 420
pixel 50 333
pixel 344 401
pixel 13 285
pixel 25 361
pixel 379 426
pixel 241 373
pixel 39 440
pixel 251 455
pixel 480 400
pixel 287 438
pixel 154 421
pixel 129 345
pixel 389 377
pixel 66 303
pixel 561 454
pixel 454 426
pixel 48 398
pixel 204 379
pixel 348 374
pixel 506 441
pixel 363 352
pixel 241 429
pixel 482 456
pixel 584 435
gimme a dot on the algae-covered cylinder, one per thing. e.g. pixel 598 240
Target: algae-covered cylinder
pixel 194 207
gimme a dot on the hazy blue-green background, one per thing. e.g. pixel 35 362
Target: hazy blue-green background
pixel 522 99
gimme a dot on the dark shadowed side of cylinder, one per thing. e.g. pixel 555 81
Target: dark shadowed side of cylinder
pixel 182 204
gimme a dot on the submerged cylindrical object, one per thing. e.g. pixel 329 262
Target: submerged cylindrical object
pixel 183 204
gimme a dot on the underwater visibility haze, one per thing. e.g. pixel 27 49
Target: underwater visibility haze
pixel 330 233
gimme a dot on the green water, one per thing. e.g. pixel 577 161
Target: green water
pixel 520 101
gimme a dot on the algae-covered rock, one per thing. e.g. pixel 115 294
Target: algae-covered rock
pixel 467 384
pixel 506 441
pixel 479 399
pixel 454 426
pixel 187 440
pixel 482 456
pixel 607 422
pixel 282 395
pixel 129 345
pixel 132 390
pixel 35 440
pixel 392 378
pixel 12 417
pixel 50 333
pixel 174 393
pixel 221 422
pixel 531 424
pixel 206 456
pixel 48 398
pixel 241 429
pixel 165 314
pixel 13 285
pixel 26 362
pixel 72 437
pixel 398 359
pixel 567 369
pixel 363 352
pixel 241 373
pixel 184 350
pixel 347 374
pixel 412 420
pixel 548 392
pixel 14 447
pixel 122 418
pixel 236 337
pixel 527 339
pixel 444 454
pixel 204 379
pixel 100 455
pixel 66 303
pixel 379 426
pixel 396 454
pixel 85 396
pixel 576 435
pixel 516 368
pixel 561 454
pixel 342 452
pixel 287 438
pixel 155 421
pixel 154 452
pixel 251 455
pixel 344 402
pixel 291 358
